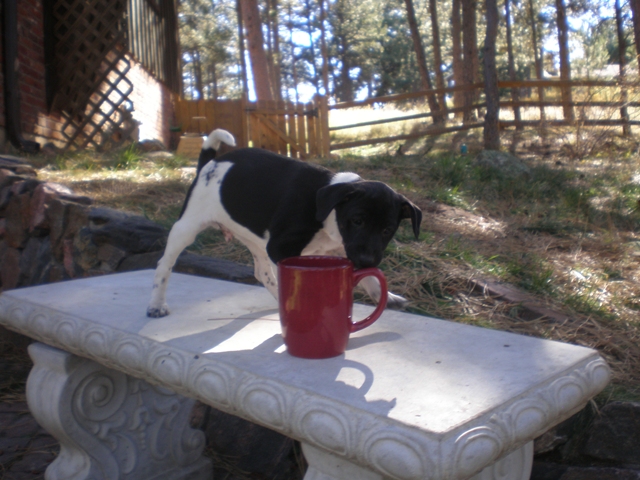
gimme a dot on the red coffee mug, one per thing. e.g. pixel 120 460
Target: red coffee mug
pixel 316 302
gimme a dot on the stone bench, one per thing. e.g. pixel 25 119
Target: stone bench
pixel 412 398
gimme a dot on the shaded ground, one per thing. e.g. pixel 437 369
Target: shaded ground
pixel 26 449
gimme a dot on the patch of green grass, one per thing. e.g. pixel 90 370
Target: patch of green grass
pixel 128 159
pixel 450 170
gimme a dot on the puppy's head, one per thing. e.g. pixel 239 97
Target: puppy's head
pixel 368 215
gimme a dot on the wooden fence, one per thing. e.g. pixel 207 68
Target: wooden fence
pixel 302 130
pixel 594 103
pixel 298 130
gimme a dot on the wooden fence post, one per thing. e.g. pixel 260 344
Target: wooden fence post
pixel 323 120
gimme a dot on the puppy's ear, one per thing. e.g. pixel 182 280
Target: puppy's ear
pixel 330 196
pixel 409 210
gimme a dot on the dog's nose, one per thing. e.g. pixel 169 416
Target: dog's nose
pixel 365 260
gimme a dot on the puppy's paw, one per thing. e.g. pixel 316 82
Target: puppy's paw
pixel 396 302
pixel 157 312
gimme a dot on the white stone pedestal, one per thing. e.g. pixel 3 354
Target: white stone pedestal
pixel 110 425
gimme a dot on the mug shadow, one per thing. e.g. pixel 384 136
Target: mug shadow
pixel 338 378
pixel 378 337
pixel 324 374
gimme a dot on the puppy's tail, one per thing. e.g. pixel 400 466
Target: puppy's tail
pixel 212 144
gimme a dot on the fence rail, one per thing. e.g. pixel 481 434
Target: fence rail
pixel 617 101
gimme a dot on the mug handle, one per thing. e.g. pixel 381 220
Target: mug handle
pixel 382 303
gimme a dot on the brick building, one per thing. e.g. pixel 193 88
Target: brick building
pixel 84 80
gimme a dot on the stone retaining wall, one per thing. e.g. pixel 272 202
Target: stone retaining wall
pixel 49 234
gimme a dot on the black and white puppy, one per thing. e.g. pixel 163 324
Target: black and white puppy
pixel 280 207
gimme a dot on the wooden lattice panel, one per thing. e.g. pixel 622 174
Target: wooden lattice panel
pixel 92 87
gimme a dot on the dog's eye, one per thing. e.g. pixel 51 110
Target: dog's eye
pixel 358 222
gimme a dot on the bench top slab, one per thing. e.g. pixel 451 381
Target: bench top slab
pixel 443 396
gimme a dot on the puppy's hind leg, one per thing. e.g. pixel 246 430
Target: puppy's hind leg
pixel 182 235
pixel 372 287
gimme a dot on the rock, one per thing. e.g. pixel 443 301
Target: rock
pixel 5 173
pixel 77 217
pixel 215 268
pixel 17 165
pixel 151 146
pixel 615 434
pixel 68 260
pixel 85 251
pixel 55 217
pixel 193 264
pixel 10 268
pixel 599 473
pixel 17 216
pixel 158 155
pixel 506 164
pixel 42 264
pixel 110 257
pixel 28 260
pixel 130 233
pixel 46 193
pixel 26 186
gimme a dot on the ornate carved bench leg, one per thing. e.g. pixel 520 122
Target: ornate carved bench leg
pixel 327 466
pixel 111 425
pixel 515 466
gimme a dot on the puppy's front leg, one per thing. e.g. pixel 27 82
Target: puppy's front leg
pixel 372 287
pixel 266 272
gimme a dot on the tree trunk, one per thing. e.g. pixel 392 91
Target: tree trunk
pixel 270 48
pixel 294 73
pixel 253 26
pixel 537 58
pixel 635 14
pixel 197 71
pixel 277 58
pixel 515 93
pixel 346 85
pixel 324 52
pixel 437 52
pixel 470 55
pixel 622 49
pixel 312 49
pixel 491 120
pixel 422 63
pixel 243 64
pixel 456 43
pixel 214 79
pixel 345 90
pixel 565 66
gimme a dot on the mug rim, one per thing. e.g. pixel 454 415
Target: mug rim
pixel 305 262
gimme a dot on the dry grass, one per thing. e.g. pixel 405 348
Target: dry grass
pixel 569 235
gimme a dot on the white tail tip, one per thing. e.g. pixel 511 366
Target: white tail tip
pixel 217 137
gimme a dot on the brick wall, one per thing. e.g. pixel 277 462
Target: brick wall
pixel 152 100
pixel 35 122
pixel 152 105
